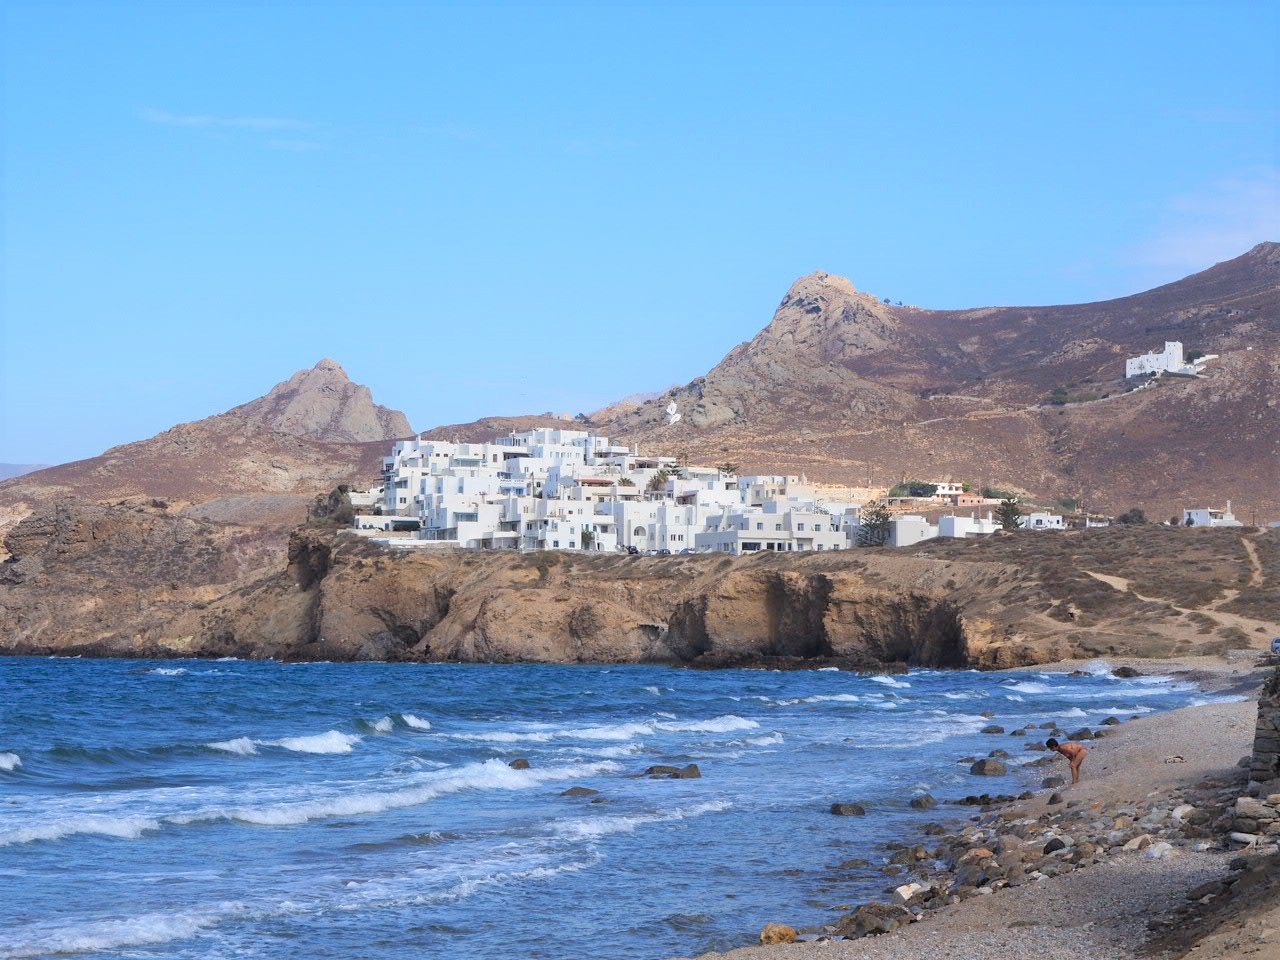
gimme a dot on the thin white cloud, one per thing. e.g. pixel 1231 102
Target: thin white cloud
pixel 207 121
pixel 1218 222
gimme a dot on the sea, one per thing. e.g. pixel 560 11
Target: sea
pixel 194 809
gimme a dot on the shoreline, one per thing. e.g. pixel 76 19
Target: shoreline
pixel 989 891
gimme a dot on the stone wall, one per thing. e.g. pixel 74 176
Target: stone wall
pixel 1264 769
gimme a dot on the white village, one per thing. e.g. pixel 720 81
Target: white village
pixel 563 489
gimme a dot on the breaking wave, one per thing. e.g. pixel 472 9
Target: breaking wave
pixel 10 761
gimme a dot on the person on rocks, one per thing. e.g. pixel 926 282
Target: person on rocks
pixel 1075 754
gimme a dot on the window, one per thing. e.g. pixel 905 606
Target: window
pixel 777 526
pixel 759 526
pixel 555 543
pixel 820 547
pixel 800 526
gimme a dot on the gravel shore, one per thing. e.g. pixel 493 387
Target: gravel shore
pixel 1098 905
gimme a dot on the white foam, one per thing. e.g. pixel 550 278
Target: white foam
pixel 615 731
pixel 10 761
pixel 889 681
pixel 144 930
pixel 722 724
pixel 589 828
pixel 1027 686
pixel 769 741
pixel 126 828
pixel 331 741
pixel 828 670
pixel 241 745
pixel 1013 696
pixel 385 725
pixel 1073 712
pixel 169 671
pixel 489 775
pixel 654 690
pixel 415 723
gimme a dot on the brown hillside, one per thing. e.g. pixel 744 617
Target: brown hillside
pixel 260 461
pixel 844 387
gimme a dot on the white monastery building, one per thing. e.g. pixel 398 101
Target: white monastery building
pixel 1169 360
pixel 1210 517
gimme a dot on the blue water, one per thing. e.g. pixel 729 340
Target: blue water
pixel 197 809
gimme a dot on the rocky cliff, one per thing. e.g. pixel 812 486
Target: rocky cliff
pixel 208 591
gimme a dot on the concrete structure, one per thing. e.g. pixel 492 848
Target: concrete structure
pixel 907 530
pixel 1042 521
pixel 965 527
pixel 1168 360
pixel 1210 517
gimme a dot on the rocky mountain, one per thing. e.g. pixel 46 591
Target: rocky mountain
pixel 847 388
pixel 323 404
pixel 259 463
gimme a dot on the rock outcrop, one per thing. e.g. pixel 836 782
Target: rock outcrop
pixel 143 579
pixel 322 403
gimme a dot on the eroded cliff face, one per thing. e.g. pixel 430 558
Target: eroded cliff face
pixel 139 580
pixel 348 599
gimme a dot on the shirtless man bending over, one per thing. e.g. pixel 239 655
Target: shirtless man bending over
pixel 1074 752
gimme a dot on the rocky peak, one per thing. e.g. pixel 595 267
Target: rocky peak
pixel 322 403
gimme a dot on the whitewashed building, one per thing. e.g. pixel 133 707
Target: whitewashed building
pixel 965 527
pixel 1042 521
pixel 904 531
pixel 1168 360
pixel 1210 517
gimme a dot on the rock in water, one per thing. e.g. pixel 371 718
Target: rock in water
pixel 927 802
pixel 848 810
pixel 988 768
pixel 520 764
pixel 579 792
pixel 774 933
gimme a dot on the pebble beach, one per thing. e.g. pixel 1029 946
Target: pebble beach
pixel 1122 865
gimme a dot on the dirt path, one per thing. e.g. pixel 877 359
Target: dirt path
pixel 1255 576
pixel 1258 631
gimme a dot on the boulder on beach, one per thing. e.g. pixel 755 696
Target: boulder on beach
pixel 1125 673
pixel 1084 733
pixel 848 809
pixel 1050 783
pixel 993 728
pixel 998 754
pixel 925 802
pixel 775 933
pixel 1111 722
pixel 988 767
pixel 873 918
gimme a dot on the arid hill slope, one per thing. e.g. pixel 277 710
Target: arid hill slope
pixel 260 462
pixel 843 386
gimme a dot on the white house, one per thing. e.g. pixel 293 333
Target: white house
pixel 1042 521
pixel 963 527
pixel 908 530
pixel 1210 517
pixel 1168 360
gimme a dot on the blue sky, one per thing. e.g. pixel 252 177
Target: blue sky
pixel 495 209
